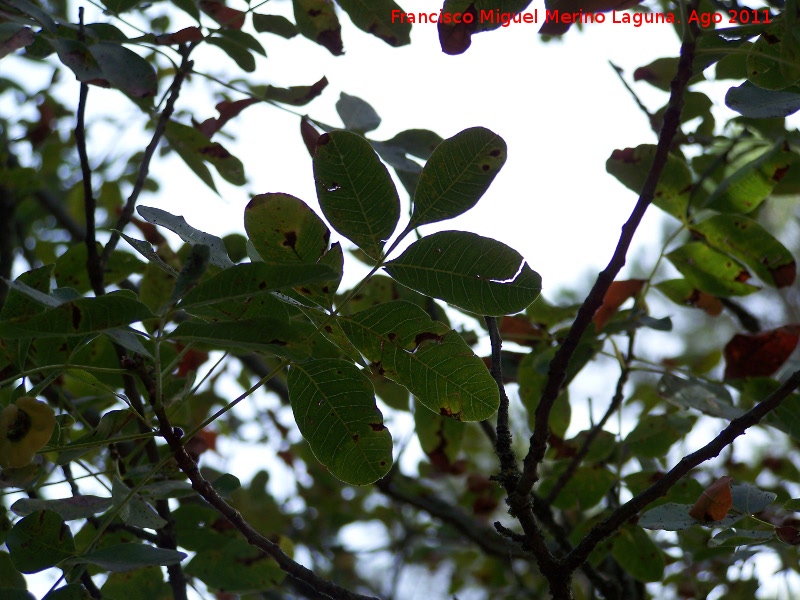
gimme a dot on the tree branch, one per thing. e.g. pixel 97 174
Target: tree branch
pixel 737 427
pixel 484 536
pixel 144 167
pixel 560 362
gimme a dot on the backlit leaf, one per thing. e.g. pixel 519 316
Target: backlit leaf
pixel 425 356
pixel 475 273
pixel 317 20
pixel 766 64
pixel 196 149
pixel 631 165
pixel 618 292
pixel 126 557
pixel 274 24
pixel 715 501
pixel 635 552
pixel 334 406
pixel 283 229
pixel 752 244
pixel 356 114
pixel 684 293
pixel 355 190
pixel 748 187
pixel 710 270
pixel 457 174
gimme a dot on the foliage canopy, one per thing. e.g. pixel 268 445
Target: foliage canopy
pixel 119 348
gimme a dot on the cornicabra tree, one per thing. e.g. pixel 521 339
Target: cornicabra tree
pixel 101 350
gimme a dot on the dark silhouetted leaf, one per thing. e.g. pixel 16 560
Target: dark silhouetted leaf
pixel 355 190
pixel 125 70
pixel 356 114
pixel 334 406
pixel 196 149
pixel 126 557
pixel 77 507
pixel 299 95
pixel 274 24
pixel 183 36
pixel 478 274
pixel 376 17
pixel 757 103
pixel 224 15
pixel 635 552
pixel 39 541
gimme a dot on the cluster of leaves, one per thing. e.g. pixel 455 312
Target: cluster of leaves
pixel 119 366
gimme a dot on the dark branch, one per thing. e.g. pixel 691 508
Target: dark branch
pixel 144 167
pixel 628 510
pixel 559 364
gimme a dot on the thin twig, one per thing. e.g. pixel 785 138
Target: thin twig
pixel 737 427
pixel 144 167
pixel 613 406
pixel 558 366
pixel 94 266
pixel 509 471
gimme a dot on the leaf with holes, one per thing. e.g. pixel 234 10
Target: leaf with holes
pixel 475 273
pixel 427 357
pixel 355 190
pixel 334 406
pixel 457 174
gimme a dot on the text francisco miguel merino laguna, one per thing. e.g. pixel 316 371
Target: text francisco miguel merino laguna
pixel 637 19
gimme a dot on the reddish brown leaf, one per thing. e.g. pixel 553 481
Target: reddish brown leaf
pixel 520 330
pixel 227 110
pixel 788 535
pixel 184 36
pixel 715 502
pixel 191 361
pixel 225 16
pixel 617 294
pixel 761 354
pixel 711 304
pixel 309 134
pixel 784 275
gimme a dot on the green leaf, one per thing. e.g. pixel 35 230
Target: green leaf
pixel 710 270
pixel 72 591
pixel 264 334
pixel 375 17
pixel 77 507
pixel 274 24
pixel 80 317
pixel 767 64
pixel 355 190
pixel 146 250
pixel 70 269
pixel 356 114
pixel 757 103
pixel 631 165
pixel 146 583
pixel 196 149
pixel 298 95
pixel 711 399
pixel 440 438
pixel 39 541
pixel 110 424
pixel 283 229
pixel 749 186
pixel 317 20
pixel 425 356
pixel 236 567
pixel 457 174
pixel 748 241
pixel 475 273
pixel 125 70
pixel 334 406
pixel 532 377
pixel 248 279
pixel 237 51
pixel 396 151
pixel 133 510
pixel 126 557
pixel 654 435
pixel 635 552
pixel 177 224
pixel 10 578
pixel 733 538
pixel 585 489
